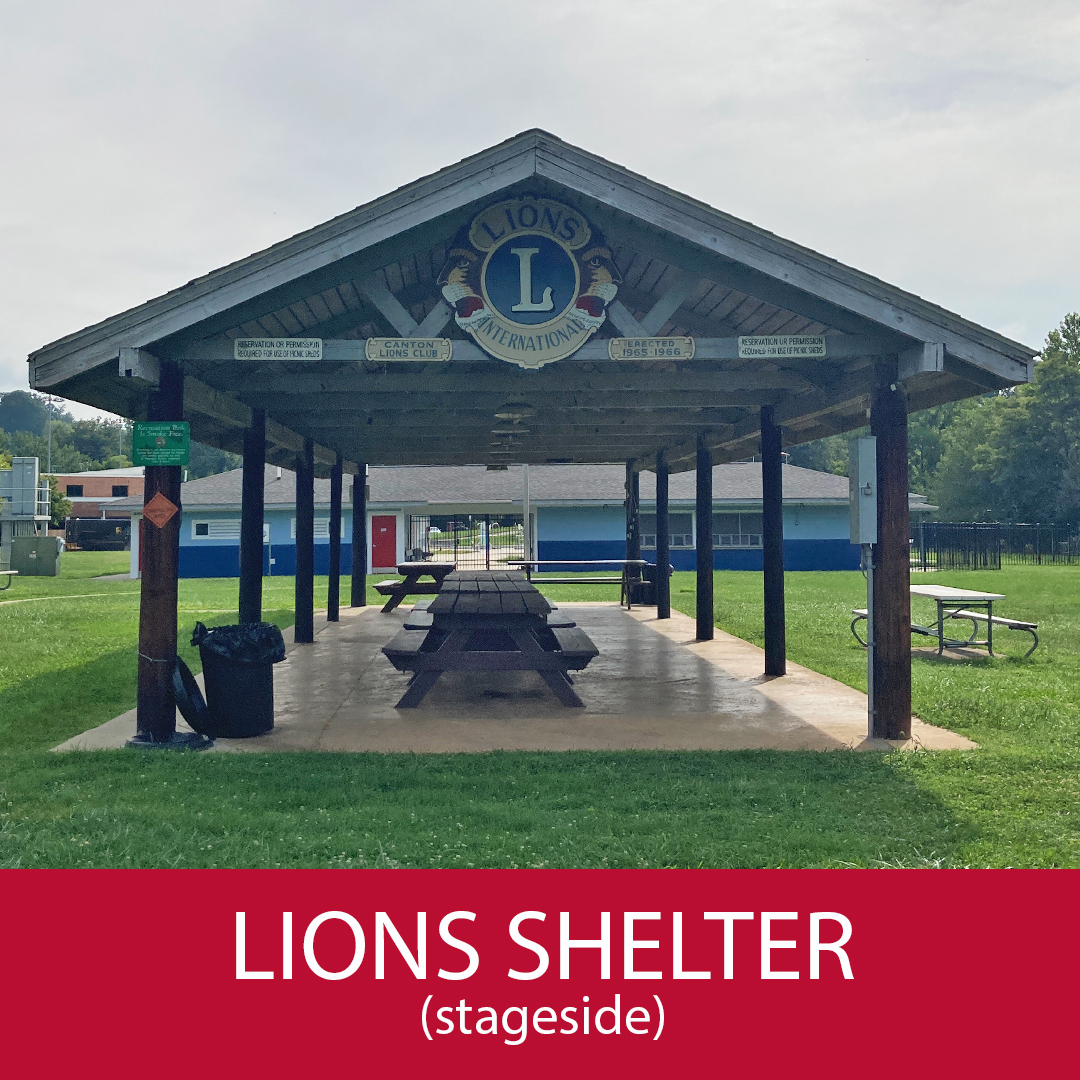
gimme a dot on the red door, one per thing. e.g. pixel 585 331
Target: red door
pixel 383 541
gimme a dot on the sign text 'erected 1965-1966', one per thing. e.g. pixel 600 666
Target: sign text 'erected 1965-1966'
pixel 650 348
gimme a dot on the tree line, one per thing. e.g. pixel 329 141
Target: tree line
pixel 82 445
pixel 1013 456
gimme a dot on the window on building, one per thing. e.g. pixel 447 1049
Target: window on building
pixel 680 531
pixel 736 530
pixel 119 491
pixel 222 529
pixel 322 527
pixel 74 491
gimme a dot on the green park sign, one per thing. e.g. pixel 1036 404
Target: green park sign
pixel 160 442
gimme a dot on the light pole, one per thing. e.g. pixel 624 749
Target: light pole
pixel 50 404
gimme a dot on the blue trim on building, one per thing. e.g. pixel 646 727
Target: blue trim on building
pixel 580 550
pixel 223 560
pixel 821 555
pixel 213 560
pixel 798 554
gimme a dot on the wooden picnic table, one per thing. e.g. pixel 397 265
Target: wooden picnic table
pixel 626 566
pixel 412 585
pixel 490 620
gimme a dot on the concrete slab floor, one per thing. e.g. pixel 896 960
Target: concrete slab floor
pixel 652 687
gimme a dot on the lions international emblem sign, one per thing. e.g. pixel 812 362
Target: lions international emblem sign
pixel 530 280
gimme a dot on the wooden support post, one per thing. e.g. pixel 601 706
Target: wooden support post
pixel 358 594
pixel 892 571
pixel 704 542
pixel 633 512
pixel 156 713
pixel 251 519
pixel 304 627
pixel 663 539
pixel 333 585
pixel 772 543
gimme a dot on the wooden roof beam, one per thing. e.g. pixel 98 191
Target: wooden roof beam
pixel 344 350
pixel 228 412
pixel 376 291
pixel 619 403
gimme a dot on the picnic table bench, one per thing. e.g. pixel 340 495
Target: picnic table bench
pixel 412 585
pixel 960 604
pixel 623 580
pixel 489 620
pixel 7 575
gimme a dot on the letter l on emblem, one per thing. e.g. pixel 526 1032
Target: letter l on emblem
pixel 525 278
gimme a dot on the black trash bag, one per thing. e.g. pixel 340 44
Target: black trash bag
pixel 247 643
pixel 189 700
pixel 239 677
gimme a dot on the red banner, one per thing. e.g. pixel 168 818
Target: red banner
pixel 538 973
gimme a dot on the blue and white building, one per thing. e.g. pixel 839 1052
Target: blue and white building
pixel 577 514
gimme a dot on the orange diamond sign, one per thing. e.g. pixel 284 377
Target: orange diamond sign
pixel 160 510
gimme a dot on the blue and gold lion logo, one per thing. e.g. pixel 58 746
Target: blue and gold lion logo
pixel 529 280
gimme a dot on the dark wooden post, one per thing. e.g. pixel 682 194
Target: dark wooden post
pixel 358 596
pixel 251 519
pixel 333 585
pixel 892 570
pixel 772 543
pixel 156 711
pixel 304 628
pixel 663 539
pixel 633 511
pixel 704 542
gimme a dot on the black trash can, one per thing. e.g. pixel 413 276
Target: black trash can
pixel 238 673
pixel 643 589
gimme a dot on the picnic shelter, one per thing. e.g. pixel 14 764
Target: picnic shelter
pixel 532 304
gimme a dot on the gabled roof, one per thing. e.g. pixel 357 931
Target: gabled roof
pixel 427 488
pixel 739 279
pixel 532 154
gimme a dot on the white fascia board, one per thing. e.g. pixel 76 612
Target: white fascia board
pixel 349 234
pixel 803 268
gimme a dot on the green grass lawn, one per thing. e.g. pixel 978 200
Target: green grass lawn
pixel 67 662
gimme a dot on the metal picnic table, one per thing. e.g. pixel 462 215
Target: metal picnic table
pixel 958 604
pixel 490 620
pixel 950 600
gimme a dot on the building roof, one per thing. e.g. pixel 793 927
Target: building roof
pixel 686 269
pixel 135 470
pixel 549 485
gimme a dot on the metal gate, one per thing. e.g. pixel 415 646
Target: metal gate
pixel 471 541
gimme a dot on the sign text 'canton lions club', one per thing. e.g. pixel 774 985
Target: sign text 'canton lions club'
pixel 530 280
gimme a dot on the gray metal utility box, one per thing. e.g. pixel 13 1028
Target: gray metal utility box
pixel 36 556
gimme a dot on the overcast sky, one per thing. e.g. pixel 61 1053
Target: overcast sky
pixel 933 144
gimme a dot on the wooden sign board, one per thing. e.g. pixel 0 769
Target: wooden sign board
pixel 382 350
pixel 277 348
pixel 160 442
pixel 648 348
pixel 777 346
